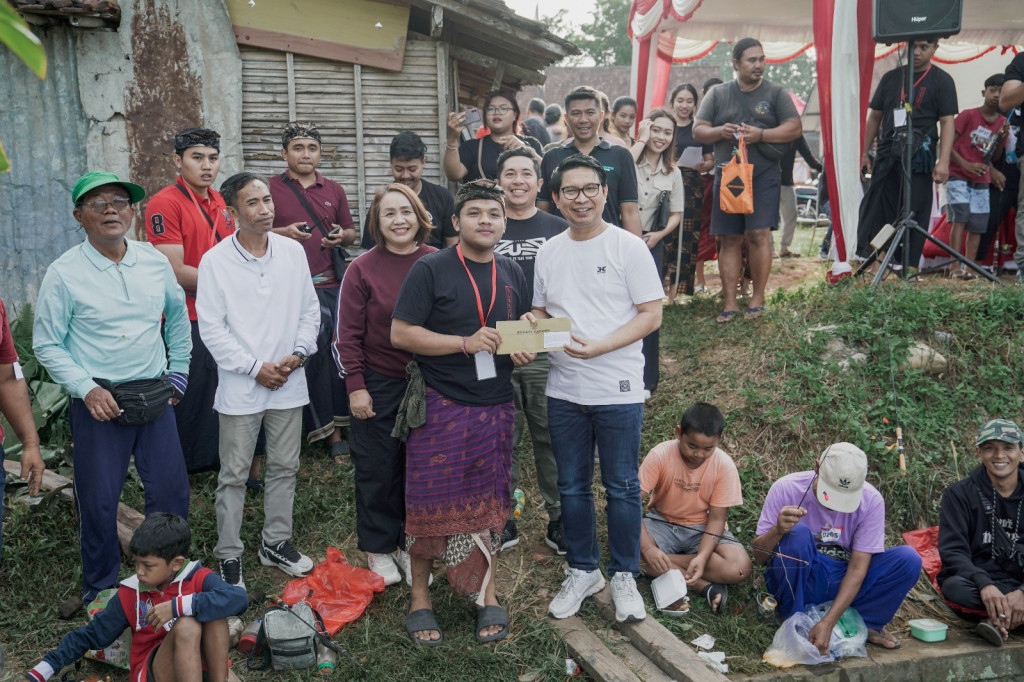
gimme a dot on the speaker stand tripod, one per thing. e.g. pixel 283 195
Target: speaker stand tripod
pixel 906 223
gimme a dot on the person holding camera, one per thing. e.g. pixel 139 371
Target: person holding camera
pixel 111 327
pixel 478 158
pixel 314 211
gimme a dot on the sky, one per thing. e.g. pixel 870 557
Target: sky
pixel 528 8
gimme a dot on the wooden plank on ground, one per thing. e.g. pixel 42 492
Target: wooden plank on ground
pixel 128 519
pixel 655 641
pixel 644 667
pixel 591 653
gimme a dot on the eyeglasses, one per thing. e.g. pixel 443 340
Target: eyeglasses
pixel 589 191
pixel 100 206
pixel 503 109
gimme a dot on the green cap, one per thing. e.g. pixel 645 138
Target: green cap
pixel 999 429
pixel 95 179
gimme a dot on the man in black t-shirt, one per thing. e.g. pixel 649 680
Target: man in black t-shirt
pixel 934 98
pixel 527 230
pixel 408 159
pixel 1011 96
pixel 457 460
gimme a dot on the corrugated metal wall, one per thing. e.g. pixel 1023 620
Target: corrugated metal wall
pixel 43 130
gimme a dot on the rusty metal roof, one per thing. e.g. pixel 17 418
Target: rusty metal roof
pixel 84 13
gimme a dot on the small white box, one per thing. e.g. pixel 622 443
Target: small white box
pixel 668 588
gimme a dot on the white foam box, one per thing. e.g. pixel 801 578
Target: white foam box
pixel 668 588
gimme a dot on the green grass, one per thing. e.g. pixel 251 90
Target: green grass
pixel 783 405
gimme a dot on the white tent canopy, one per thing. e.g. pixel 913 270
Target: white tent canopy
pixel 666 31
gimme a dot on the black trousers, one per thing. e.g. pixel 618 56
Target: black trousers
pixel 328 400
pixel 379 460
pixel 198 424
pixel 964 592
pixel 881 205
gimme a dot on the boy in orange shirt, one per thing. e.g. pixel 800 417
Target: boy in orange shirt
pixel 692 483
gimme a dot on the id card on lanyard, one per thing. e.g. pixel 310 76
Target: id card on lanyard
pixel 485 368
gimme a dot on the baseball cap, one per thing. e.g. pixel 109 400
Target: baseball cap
pixel 841 472
pixel 999 429
pixel 94 179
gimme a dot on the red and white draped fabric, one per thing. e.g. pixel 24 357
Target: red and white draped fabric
pixel 845 57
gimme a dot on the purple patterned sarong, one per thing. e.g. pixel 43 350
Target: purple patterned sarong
pixel 457 486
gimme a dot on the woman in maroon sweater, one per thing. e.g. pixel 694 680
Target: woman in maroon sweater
pixel 374 373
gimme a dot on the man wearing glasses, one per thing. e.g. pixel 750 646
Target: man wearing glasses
pixel 583 115
pixel 98 321
pixel 606 283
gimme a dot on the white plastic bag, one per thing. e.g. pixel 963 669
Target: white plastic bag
pixel 791 646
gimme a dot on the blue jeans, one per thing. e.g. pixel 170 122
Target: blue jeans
pixel 616 431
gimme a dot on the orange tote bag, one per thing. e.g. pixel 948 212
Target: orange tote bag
pixel 736 193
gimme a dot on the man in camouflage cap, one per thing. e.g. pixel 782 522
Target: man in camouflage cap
pixel 981 528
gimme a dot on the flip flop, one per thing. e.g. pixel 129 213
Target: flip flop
pixel 753 313
pixel 725 316
pixel 712 590
pixel 886 640
pixel 989 633
pixel 488 616
pixel 423 619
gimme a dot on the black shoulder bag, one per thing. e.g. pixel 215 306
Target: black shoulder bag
pixel 141 401
pixel 773 151
pixel 339 256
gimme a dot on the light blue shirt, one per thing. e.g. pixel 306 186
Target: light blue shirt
pixel 98 318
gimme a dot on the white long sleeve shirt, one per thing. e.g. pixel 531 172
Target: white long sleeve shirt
pixel 255 310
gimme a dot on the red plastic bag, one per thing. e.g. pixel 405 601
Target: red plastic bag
pixel 340 592
pixel 925 541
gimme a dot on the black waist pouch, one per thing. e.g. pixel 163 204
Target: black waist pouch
pixel 142 400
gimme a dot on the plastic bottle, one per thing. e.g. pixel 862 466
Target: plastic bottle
pixel 520 502
pixel 236 627
pixel 325 659
pixel 247 642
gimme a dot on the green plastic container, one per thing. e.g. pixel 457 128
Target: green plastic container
pixel 928 629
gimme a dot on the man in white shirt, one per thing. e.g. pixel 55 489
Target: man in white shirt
pixel 259 317
pixel 605 281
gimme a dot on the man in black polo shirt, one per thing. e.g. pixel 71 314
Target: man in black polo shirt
pixel 408 159
pixel 583 116
pixel 934 102
pixel 527 229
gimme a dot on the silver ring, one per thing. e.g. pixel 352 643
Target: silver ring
pixel 1002 615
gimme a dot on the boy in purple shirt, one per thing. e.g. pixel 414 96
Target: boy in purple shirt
pixel 822 536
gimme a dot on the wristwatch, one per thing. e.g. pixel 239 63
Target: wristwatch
pixel 301 356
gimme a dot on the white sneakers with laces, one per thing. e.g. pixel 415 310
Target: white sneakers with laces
pixel 578 585
pixel 629 605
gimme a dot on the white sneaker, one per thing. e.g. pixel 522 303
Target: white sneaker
pixel 578 586
pixel 384 566
pixel 401 558
pixel 629 605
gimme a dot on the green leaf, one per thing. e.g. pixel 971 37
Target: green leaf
pixel 15 34
pixel 5 163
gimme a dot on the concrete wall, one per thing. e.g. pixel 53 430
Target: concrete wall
pixel 112 100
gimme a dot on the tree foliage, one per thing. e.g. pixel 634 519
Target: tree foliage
pixel 603 38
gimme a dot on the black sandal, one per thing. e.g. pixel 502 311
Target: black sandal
pixel 488 616
pixel 418 621
pixel 712 590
